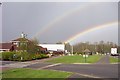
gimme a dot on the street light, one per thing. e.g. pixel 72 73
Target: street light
pixel 72 49
pixel 85 57
pixel 85 54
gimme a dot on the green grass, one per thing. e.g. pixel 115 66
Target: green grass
pixel 76 59
pixel 30 73
pixel 114 60
pixel 0 55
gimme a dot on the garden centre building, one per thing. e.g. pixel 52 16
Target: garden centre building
pixel 54 47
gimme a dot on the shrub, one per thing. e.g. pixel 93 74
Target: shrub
pixel 16 56
pixel 7 55
pixel 34 56
pixel 25 56
pixel 38 56
pixel 31 56
pixel 44 56
pixel 80 53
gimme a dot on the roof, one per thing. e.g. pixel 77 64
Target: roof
pixel 87 50
pixel 5 45
pixel 21 39
pixel 43 49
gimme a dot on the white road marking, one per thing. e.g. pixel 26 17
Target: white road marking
pixel 85 75
pixel 50 65
pixel 90 76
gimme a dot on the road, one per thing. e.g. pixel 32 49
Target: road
pixel 95 70
pixel 101 69
pixel 104 60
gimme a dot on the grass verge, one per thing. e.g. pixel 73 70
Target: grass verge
pixel 30 73
pixel 0 55
pixel 76 59
pixel 114 60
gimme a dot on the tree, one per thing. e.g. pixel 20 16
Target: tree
pixel 33 46
pixel 67 47
pixel 30 46
pixel 119 49
pixel 23 43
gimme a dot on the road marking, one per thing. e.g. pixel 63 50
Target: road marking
pixel 85 75
pixel 114 63
pixel 50 65
pixel 81 63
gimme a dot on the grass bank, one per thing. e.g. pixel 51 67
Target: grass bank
pixel 30 73
pixel 114 60
pixel 0 55
pixel 76 59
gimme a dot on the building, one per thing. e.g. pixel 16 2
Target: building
pixel 5 47
pixel 54 47
pixel 21 40
pixel 13 45
pixel 87 52
pixel 43 50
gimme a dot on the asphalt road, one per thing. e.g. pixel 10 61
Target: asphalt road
pixel 38 65
pixel 96 70
pixel 102 69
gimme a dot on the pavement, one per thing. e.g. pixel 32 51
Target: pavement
pixel 5 65
pixel 104 60
pixel 101 69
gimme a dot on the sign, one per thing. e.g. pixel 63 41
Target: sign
pixel 85 55
pixel 113 50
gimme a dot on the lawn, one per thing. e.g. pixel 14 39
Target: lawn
pixel 76 59
pixel 30 73
pixel 114 60
pixel 0 55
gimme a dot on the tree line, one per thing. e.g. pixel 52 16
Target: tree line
pixel 100 47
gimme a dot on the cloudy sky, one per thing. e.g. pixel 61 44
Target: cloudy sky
pixel 51 22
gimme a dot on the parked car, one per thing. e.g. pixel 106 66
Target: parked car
pixel 115 54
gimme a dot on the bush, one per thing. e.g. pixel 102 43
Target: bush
pixel 26 56
pixel 7 55
pixel 22 56
pixel 80 53
pixel 39 56
pixel 44 56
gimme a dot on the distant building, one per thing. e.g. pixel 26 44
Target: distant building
pixel 18 40
pixel 54 47
pixel 87 51
pixel 5 47
pixel 13 45
pixel 42 49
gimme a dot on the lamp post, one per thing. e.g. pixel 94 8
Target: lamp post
pixel 86 51
pixel 72 49
pixel 85 57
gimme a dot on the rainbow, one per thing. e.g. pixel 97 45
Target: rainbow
pixel 90 30
pixel 60 18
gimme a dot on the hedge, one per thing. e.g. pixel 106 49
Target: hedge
pixel 21 56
